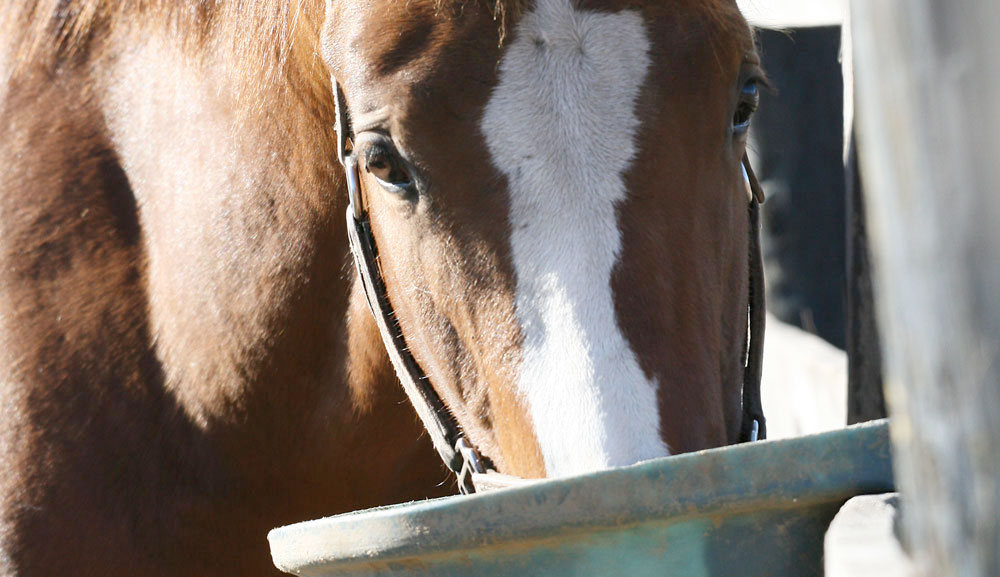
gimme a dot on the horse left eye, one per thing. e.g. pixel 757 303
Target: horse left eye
pixel 749 99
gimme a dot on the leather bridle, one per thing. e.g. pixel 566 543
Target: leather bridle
pixel 474 473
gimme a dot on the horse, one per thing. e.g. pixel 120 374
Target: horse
pixel 187 355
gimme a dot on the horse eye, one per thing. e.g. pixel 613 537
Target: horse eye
pixel 749 99
pixel 384 165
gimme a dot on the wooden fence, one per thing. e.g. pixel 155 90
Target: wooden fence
pixel 928 87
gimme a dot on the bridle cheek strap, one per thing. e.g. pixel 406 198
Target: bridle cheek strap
pixel 754 426
pixel 455 451
pixel 460 457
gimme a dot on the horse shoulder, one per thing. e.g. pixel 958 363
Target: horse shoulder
pixel 173 330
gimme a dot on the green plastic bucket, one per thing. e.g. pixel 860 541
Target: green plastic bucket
pixel 748 510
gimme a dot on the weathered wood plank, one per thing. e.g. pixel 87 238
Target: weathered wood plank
pixel 865 397
pixel 928 87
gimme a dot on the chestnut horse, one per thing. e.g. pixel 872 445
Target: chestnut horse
pixel 187 358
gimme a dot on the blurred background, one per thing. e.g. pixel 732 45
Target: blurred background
pixel 822 362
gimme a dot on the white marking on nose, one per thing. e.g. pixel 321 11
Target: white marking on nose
pixel 561 126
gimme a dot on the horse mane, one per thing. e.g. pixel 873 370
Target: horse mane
pixel 54 32
pixel 264 32
pixel 506 12
pixel 270 43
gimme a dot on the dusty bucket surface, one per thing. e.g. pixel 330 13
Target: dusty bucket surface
pixel 752 509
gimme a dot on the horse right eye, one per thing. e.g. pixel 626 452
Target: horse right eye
pixel 747 105
pixel 381 163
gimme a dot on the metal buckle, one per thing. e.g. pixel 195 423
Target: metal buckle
pixel 471 463
pixel 746 181
pixel 346 159
pixel 353 186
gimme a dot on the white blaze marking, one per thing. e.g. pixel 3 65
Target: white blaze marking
pixel 561 126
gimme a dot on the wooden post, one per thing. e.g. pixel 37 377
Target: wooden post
pixel 928 86
pixel 865 395
pixel 865 399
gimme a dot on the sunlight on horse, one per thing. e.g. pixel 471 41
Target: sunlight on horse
pixel 186 356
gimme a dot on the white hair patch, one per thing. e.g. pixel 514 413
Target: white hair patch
pixel 561 126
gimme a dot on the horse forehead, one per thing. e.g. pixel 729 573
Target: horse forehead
pixel 398 51
pixel 389 42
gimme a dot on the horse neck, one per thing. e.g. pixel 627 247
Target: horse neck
pixel 174 319
pixel 246 255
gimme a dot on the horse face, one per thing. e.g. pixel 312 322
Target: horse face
pixel 560 217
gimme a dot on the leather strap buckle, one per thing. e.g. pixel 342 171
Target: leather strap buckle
pixel 471 465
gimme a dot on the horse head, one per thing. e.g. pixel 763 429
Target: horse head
pixel 556 194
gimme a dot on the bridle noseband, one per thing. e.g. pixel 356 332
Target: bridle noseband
pixel 461 457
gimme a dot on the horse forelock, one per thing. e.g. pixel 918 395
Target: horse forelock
pixel 52 29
